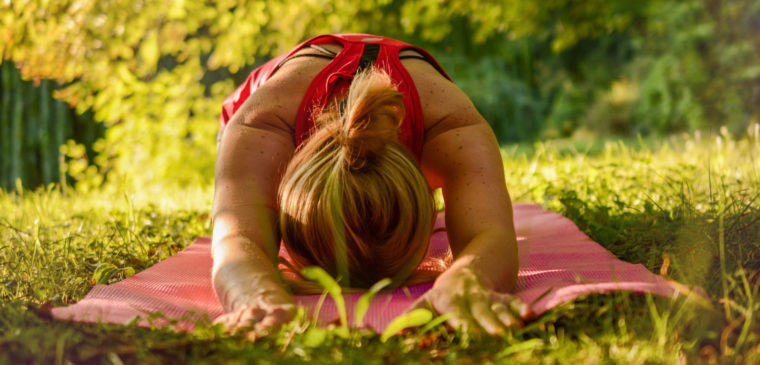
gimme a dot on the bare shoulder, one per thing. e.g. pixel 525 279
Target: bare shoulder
pixel 444 105
pixel 274 105
pixel 453 127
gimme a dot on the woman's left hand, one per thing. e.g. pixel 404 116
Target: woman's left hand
pixel 471 304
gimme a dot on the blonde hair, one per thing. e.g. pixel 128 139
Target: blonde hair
pixel 352 200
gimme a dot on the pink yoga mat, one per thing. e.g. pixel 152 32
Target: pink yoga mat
pixel 558 263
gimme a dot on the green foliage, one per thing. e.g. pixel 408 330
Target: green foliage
pixel 502 89
pixel 697 67
pixel 566 22
pixel 155 73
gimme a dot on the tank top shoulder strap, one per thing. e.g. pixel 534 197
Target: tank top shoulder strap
pixel 392 43
pixel 260 75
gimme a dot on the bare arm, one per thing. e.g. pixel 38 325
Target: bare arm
pixel 254 152
pixel 467 162
pixel 255 148
pixel 463 158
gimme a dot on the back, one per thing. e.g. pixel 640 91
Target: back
pixel 349 53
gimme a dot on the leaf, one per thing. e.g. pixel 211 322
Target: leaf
pixel 415 318
pixel 177 10
pixel 436 321
pixel 321 277
pixel 314 337
pixel 103 273
pixel 341 332
pixel 129 271
pixel 149 53
pixel 749 73
pixel 528 345
pixel 363 304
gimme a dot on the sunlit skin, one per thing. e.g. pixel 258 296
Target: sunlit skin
pixel 460 154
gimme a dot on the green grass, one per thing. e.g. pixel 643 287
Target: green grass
pixel 687 207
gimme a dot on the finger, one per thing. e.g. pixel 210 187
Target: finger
pixel 250 316
pixel 505 316
pixel 275 318
pixel 485 317
pixel 457 317
pixel 266 326
pixel 229 320
pixel 239 318
pixel 520 308
pixel 253 335
pixel 461 317
pixel 457 322
pixel 223 319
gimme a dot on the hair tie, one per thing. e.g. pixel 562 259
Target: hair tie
pixel 342 106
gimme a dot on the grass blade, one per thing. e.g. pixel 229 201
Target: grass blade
pixel 321 277
pixel 363 304
pixel 415 318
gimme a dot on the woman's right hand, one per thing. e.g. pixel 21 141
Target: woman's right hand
pixel 250 292
pixel 263 311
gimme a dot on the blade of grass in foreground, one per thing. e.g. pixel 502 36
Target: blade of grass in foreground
pixel 363 304
pixel 321 277
pixel 415 318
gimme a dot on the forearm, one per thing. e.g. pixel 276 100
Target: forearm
pixel 243 271
pixel 492 256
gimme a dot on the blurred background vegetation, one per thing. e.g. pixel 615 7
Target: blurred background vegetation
pixel 127 93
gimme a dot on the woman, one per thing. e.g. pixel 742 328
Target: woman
pixel 334 148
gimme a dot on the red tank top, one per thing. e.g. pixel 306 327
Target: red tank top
pixel 359 50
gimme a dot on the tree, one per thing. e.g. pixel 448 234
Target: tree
pixel 155 72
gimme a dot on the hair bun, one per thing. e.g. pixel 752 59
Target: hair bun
pixel 369 119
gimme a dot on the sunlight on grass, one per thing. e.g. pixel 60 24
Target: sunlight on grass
pixel 687 207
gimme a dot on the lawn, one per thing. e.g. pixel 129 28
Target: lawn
pixel 686 207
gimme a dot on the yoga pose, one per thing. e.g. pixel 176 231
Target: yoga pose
pixel 334 149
